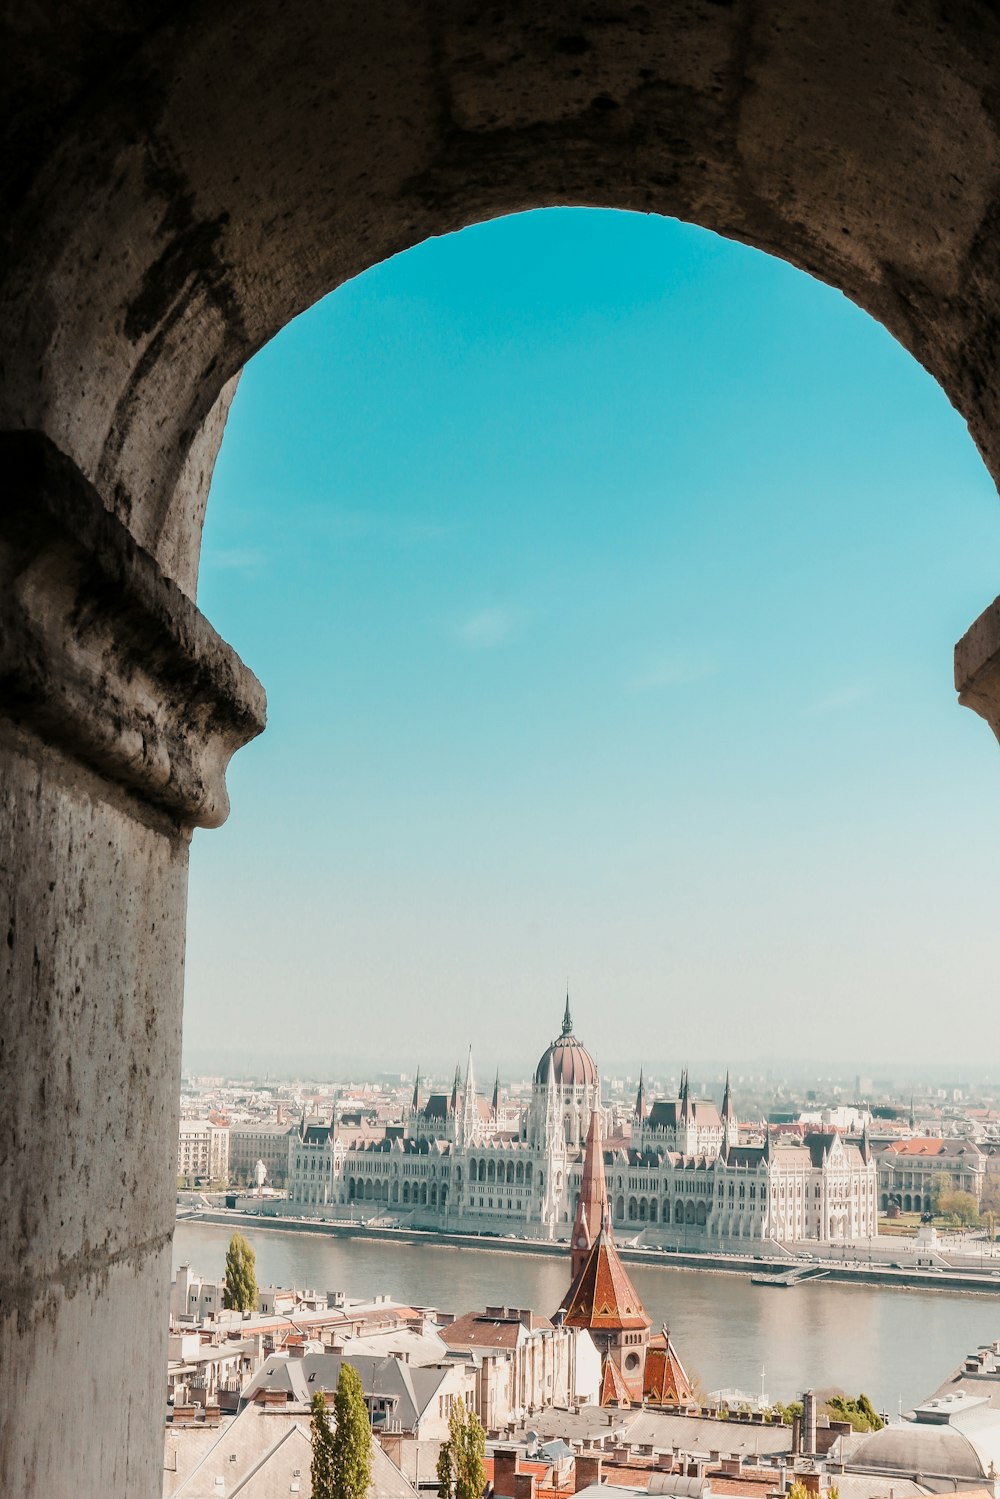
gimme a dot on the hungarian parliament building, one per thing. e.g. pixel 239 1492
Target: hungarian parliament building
pixel 676 1172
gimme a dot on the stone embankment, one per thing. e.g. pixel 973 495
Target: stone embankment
pixel 968 1281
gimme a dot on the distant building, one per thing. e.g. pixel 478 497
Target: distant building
pixel 677 1173
pixel 524 1363
pixel 249 1143
pixel 907 1171
pixel 202 1152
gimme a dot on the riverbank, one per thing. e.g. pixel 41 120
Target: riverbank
pixel 951 1281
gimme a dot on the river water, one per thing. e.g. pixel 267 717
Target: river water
pixel 896 1345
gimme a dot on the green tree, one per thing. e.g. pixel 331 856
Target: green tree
pixel 861 1414
pixel 960 1206
pixel 941 1183
pixel 352 1438
pixel 321 1467
pixel 444 1471
pixel 240 1294
pixel 990 1200
pixel 461 1469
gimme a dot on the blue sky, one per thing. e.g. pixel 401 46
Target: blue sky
pixel 603 576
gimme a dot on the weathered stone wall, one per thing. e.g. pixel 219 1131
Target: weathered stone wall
pixel 91 962
pixel 177 181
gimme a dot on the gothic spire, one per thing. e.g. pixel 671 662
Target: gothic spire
pixel 453 1103
pixel 415 1105
pixel 567 1025
pixel 728 1112
pixel 496 1095
pixel 639 1112
pixel 592 1214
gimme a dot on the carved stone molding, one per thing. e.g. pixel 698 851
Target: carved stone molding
pixel 103 655
pixel 977 667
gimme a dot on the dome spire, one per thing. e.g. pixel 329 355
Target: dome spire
pixel 567 1025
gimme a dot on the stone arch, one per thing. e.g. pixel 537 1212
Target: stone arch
pixel 690 1212
pixel 151 248
pixel 406 1192
pixel 633 1210
pixel 527 1175
pixel 679 1211
pixel 434 1194
pixel 368 1190
pixel 653 1207
pixel 510 1172
pixel 491 1172
pixel 619 1209
pixel 907 1203
pixel 643 1209
pixel 519 1176
pixel 701 1215
pixel 395 1192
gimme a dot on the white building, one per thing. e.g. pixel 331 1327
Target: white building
pixel 202 1151
pixel 677 1174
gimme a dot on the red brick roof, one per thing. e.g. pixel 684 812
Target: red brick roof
pixel 665 1380
pixel 602 1297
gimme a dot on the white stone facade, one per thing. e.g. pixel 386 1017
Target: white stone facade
pixel 458 1164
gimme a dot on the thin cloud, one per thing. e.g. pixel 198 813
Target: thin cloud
pixel 677 669
pixel 236 559
pixel 839 700
pixel 486 630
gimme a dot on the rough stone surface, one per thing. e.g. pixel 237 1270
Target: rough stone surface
pixel 977 667
pixel 92 907
pixel 177 182
pixel 99 652
pixel 198 175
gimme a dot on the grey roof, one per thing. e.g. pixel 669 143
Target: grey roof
pixel 408 1389
pixel 965 1446
pixel 663 1432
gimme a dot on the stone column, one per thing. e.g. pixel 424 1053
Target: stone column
pixel 119 711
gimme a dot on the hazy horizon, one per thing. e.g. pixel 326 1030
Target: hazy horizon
pixel 603 576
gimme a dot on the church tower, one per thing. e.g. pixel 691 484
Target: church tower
pixel 730 1123
pixel 601 1297
pixel 592 1204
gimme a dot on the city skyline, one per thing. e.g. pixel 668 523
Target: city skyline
pixel 603 576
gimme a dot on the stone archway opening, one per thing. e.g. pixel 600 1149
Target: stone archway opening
pixel 174 195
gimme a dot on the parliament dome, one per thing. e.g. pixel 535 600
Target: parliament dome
pixel 572 1064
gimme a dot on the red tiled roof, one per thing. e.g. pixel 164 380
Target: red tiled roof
pixel 602 1297
pixel 613 1389
pixel 665 1380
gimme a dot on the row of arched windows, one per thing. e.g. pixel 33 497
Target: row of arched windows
pixel 497 1171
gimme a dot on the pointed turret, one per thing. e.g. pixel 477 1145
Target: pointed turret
pixel 567 1025
pixel 470 1113
pixel 685 1097
pixel 453 1100
pixel 415 1104
pixel 603 1299
pixel 730 1123
pixel 639 1112
pixel 592 1204
pixel 666 1382
pixel 866 1144
pixel 496 1095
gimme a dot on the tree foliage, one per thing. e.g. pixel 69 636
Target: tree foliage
pixel 960 1206
pixel 352 1438
pixel 461 1469
pixel 861 1414
pixel 240 1294
pixel 321 1467
pixel 787 1413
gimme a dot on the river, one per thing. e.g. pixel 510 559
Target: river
pixel 895 1345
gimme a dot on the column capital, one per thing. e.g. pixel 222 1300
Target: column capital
pixel 104 656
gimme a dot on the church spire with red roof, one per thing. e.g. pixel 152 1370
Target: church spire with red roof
pixel 592 1204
